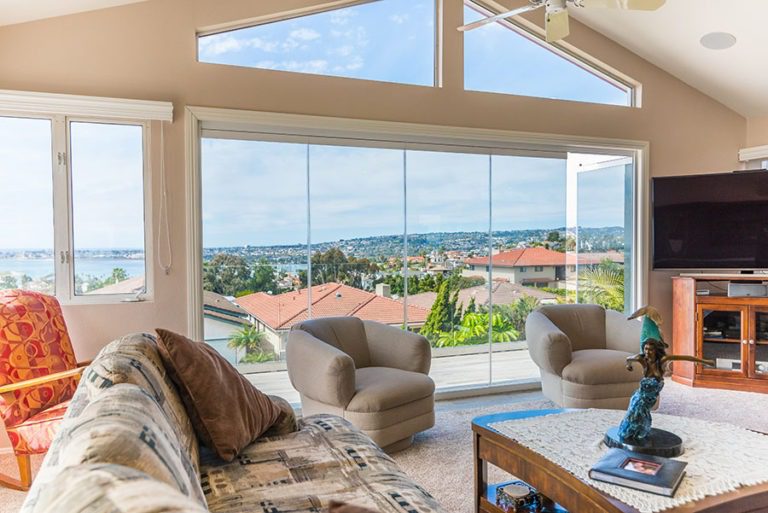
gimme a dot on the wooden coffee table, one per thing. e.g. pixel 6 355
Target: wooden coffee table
pixel 573 494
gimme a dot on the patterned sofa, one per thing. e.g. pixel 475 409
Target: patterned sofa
pixel 126 444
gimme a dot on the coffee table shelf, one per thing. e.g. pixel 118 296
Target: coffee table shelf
pixel 562 487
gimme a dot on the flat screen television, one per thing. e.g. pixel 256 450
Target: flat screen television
pixel 714 221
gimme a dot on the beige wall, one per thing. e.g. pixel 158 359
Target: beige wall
pixel 148 51
pixel 757 131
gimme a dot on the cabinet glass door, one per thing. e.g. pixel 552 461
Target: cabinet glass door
pixel 721 331
pixel 758 361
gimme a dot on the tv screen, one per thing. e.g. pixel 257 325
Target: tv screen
pixel 717 221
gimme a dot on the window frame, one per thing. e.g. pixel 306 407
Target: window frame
pixel 566 51
pixel 63 228
pixel 294 127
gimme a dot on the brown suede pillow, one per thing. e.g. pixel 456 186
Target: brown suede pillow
pixel 226 410
pixel 341 507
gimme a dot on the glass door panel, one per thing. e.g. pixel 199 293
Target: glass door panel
pixel 599 245
pixel 254 220
pixel 447 225
pixel 722 338
pixel 529 243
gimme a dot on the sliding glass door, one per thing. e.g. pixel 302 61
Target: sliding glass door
pixel 458 244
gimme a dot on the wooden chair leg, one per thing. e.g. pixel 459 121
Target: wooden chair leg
pixel 25 475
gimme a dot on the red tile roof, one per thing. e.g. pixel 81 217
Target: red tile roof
pixel 530 257
pixel 328 300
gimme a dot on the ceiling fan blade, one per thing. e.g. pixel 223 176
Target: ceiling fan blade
pixel 635 5
pixel 509 14
pixel 557 25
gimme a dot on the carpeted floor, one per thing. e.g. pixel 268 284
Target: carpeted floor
pixel 441 458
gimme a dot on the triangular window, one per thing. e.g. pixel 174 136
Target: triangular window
pixel 390 41
pixel 502 58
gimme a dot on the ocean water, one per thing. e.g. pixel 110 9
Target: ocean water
pixel 100 267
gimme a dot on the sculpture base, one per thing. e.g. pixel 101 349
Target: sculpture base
pixel 659 443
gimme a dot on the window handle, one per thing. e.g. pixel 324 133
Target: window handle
pixel 64 257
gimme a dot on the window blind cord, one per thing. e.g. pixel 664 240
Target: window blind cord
pixel 164 223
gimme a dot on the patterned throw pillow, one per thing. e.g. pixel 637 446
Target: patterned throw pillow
pixel 108 488
pixel 226 410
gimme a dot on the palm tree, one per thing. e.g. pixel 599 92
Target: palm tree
pixel 252 340
pixel 604 285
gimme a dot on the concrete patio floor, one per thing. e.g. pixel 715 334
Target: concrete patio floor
pixel 447 371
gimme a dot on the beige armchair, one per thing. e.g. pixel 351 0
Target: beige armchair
pixel 581 351
pixel 374 375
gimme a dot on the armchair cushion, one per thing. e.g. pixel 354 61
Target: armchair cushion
pixel 584 325
pixel 382 388
pixel 549 347
pixel 599 367
pixel 390 346
pixel 344 333
pixel 318 370
pixel 34 435
pixel 621 334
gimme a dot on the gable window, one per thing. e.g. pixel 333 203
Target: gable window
pixel 523 269
pixel 76 196
pixel 388 40
pixel 538 269
pixel 503 58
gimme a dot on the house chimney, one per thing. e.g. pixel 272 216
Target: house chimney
pixel 383 290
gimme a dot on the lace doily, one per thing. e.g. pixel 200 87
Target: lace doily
pixel 721 457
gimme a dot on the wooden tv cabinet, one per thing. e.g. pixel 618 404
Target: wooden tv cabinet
pixel 733 331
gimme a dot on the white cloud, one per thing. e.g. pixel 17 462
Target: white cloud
pixel 304 34
pixel 341 17
pixel 398 18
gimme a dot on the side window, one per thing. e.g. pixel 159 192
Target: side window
pixel 389 41
pixel 107 175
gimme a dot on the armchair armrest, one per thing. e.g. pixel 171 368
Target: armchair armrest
pixel 34 382
pixel 621 334
pixel 548 346
pixel 396 348
pixel 319 370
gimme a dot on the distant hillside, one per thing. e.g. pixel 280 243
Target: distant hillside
pixel 385 246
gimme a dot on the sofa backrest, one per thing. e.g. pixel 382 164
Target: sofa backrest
pixel 344 333
pixel 125 394
pixel 583 324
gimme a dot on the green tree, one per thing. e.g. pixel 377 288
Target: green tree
pixel 553 236
pixel 335 266
pixel 440 318
pixel 8 282
pixel 264 278
pixel 603 285
pixel 472 306
pixel 226 274
pixel 252 341
pixel 118 274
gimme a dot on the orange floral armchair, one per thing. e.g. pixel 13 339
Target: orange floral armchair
pixel 38 375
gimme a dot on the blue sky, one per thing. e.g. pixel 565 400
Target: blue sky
pixel 255 193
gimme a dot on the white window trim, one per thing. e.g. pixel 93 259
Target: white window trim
pixel 60 109
pixel 566 51
pixel 382 132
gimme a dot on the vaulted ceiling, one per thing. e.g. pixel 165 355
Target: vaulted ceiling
pixel 19 11
pixel 669 38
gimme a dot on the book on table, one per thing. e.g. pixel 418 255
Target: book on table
pixel 642 472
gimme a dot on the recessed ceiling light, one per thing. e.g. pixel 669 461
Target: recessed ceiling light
pixel 718 40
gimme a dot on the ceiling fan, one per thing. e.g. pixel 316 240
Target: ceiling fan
pixel 556 19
